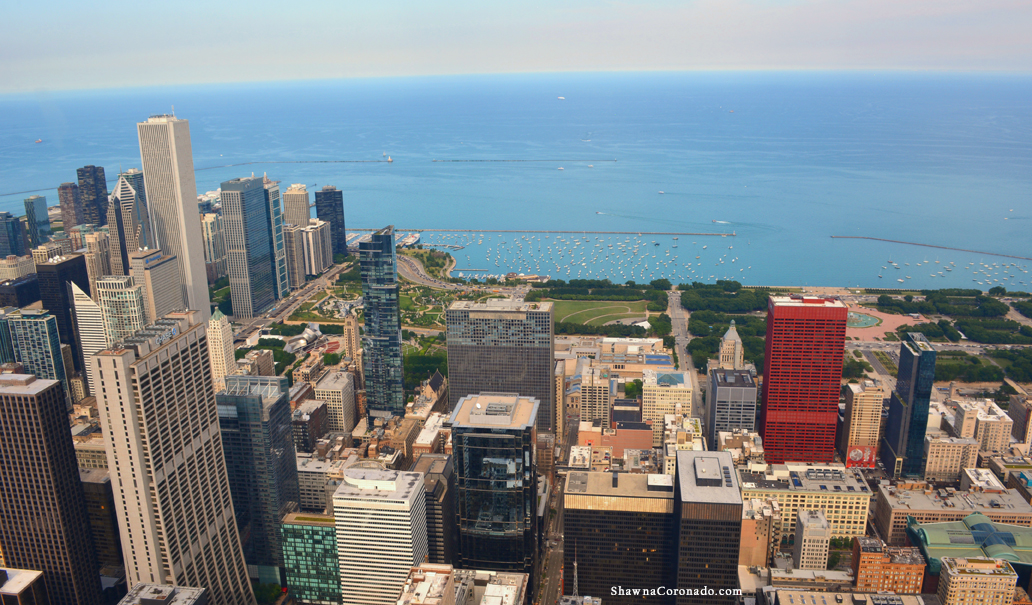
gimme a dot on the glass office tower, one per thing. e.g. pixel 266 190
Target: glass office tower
pixel 903 444
pixel 385 392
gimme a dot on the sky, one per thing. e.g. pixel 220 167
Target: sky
pixel 69 44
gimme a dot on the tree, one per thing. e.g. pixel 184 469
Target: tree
pixel 632 390
pixel 997 291
pixel 331 359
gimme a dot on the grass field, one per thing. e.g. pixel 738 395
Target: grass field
pixel 887 362
pixel 596 313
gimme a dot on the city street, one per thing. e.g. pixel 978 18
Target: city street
pixel 679 320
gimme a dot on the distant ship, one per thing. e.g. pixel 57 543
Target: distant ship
pixel 389 160
pixel 662 192
pixel 562 98
pixel 560 168
pixel 39 140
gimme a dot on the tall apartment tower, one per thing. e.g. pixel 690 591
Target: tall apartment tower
pixel 37 219
pixel 53 275
pixel 34 338
pixel 214 245
pixel 439 480
pixel 597 394
pixel 732 351
pixel 903 445
pixel 708 506
pixel 250 264
pixel 220 348
pixel 385 392
pixel 296 206
pixel 493 438
pixel 159 275
pixel 293 244
pixel 661 394
pixel 13 238
pixel 123 306
pixel 254 417
pixel 502 346
pixel 172 202
pixel 858 439
pixel 316 247
pixel 98 257
pixel 329 207
pixel 71 206
pixel 128 222
pixel 43 521
pixel 94 193
pixel 89 325
pixel 812 540
pixel 805 345
pixel 172 493
pixel 381 532
pixel 280 278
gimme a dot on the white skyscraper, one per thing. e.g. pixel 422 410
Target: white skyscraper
pixel 172 202
pixel 168 471
pixel 381 532
pixel 89 324
pixel 159 275
pixel 122 303
pixel 296 208
pixel 220 346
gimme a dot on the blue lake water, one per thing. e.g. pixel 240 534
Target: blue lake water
pixel 782 160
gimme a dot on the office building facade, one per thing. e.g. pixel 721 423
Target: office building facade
pixel 337 389
pixel 100 508
pixel 805 345
pixel 180 530
pixel 329 207
pixel 37 346
pixel 53 276
pixel 71 205
pixel 43 521
pixel 13 239
pixel 280 278
pixel 502 346
pixel 128 222
pixel 220 347
pixel 37 221
pixel 439 483
pixel 123 307
pixel 904 443
pixel 315 246
pixel 93 192
pixel 664 393
pixel 159 276
pixel 89 325
pixel 385 393
pixel 214 245
pixel 296 206
pixel 310 559
pixel 858 439
pixel 731 402
pixel 249 261
pixel 812 540
pixel 171 193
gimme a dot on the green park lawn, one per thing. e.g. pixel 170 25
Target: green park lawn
pixel 596 313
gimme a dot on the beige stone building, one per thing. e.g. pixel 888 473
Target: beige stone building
pixel 664 393
pixel 812 540
pixel 946 457
pixel 862 418
pixel 976 582
pixel 761 532
pixel 984 421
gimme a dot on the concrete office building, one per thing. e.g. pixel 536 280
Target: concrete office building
pixel 805 345
pixel 39 480
pixel 597 389
pixel 858 439
pixel 708 507
pixel 89 325
pixel 15 267
pixel 664 393
pixel 947 457
pixel 249 259
pixel 93 193
pixel 638 546
pixel 100 508
pixel 439 485
pixel 494 435
pixel 730 402
pixel 254 417
pixel 128 222
pixel 293 243
pixel 122 304
pixel 146 593
pixel 986 423
pixel 296 206
pixel 220 347
pixel 172 203
pixel 98 257
pixel 71 205
pixel 902 449
pixel 502 346
pixel 812 540
pixel 329 207
pixel 976 581
pixel 159 275
pixel 308 424
pixel 38 220
pixel 160 381
pixel 214 245
pixel 13 239
pixel 337 389
pixel 34 339
pixel 384 380
pixel 316 247
pixel 280 279
pixel 381 532
pixel 310 561
pixel 20 292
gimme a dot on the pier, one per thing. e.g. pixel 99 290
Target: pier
pixel 559 231
pixel 894 241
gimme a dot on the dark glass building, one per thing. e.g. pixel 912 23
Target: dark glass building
pixel 20 292
pixel 100 507
pixel 94 194
pixel 13 239
pixel 439 482
pixel 902 448
pixel 493 439
pixel 310 558
pixel 54 276
pixel 254 419
pixel 37 220
pixel 329 207
pixel 385 387
pixel 43 521
pixel 708 501
pixel 71 206
pixel 503 346
pixel 249 259
pixel 621 530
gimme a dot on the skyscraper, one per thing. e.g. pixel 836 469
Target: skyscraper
pixel 215 245
pixel 71 205
pixel 708 504
pixel 385 392
pixel 903 444
pixel 664 393
pixel 858 438
pixel 159 275
pixel 315 242
pixel 280 279
pixel 43 520
pixel 439 482
pixel 12 235
pixel 294 244
pixel 296 206
pixel 310 557
pixel 6 344
pixel 37 219
pixel 805 345
pixel 250 263
pixel 37 346
pixel 94 194
pixel 172 493
pixel 123 307
pixel 329 207
pixel 381 532
pixel 731 402
pixel 493 440
pixel 89 325
pixel 128 221
pixel 171 194
pixel 220 347
pixel 98 257
pixel 502 346
pixel 254 417
pixel 53 275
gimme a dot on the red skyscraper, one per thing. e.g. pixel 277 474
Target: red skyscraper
pixel 802 378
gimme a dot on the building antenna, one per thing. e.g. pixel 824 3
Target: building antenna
pixel 576 592
pixel 173 111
